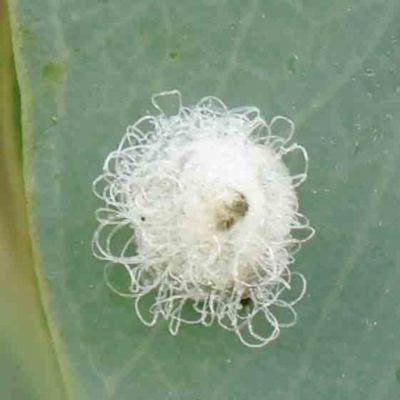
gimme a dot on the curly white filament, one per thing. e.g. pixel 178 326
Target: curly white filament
pixel 208 210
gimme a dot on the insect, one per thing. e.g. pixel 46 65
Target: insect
pixel 230 210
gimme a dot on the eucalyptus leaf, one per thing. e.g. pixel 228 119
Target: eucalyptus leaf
pixel 87 70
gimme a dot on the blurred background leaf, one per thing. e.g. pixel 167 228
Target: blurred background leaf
pixel 29 368
pixel 87 69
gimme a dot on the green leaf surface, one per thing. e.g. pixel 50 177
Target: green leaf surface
pixel 28 364
pixel 87 69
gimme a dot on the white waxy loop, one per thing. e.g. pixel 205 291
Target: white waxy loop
pixel 200 207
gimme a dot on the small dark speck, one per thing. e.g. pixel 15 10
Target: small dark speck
pixel 54 71
pixel 173 54
pixel 397 373
pixel 245 301
pixel 142 218
pixel 291 63
pixel 356 149
pixel 26 32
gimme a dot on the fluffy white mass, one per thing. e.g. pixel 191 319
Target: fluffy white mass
pixel 202 212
